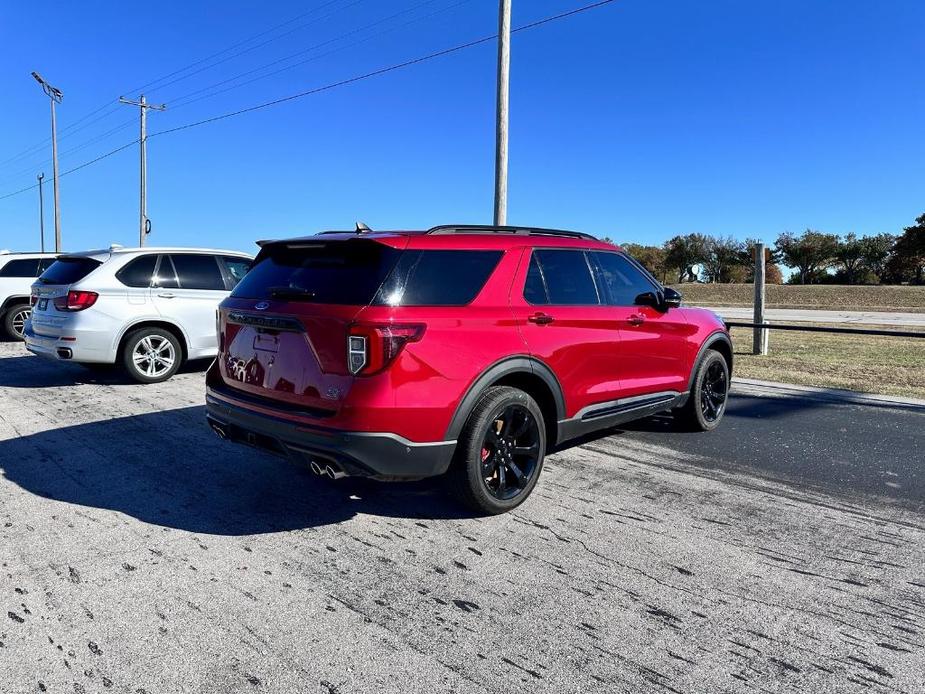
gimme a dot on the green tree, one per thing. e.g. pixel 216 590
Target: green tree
pixel 849 256
pixel 810 254
pixel 907 262
pixel 682 253
pixel 723 255
pixel 652 258
pixel 877 251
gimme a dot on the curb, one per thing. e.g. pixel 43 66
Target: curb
pixel 834 395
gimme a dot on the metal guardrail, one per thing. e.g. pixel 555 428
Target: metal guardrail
pixel 821 329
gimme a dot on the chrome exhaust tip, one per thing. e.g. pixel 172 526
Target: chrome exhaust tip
pixel 221 433
pixel 333 473
pixel 316 468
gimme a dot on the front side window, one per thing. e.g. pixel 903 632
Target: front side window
pixel 621 281
pixel 165 276
pixel 138 272
pixel 564 275
pixel 198 272
pixel 21 267
pixel 437 278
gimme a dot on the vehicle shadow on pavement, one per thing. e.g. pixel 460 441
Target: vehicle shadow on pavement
pixel 36 372
pixel 168 469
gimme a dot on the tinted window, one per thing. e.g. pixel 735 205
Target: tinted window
pixel 621 280
pixel 20 268
pixel 237 267
pixel 46 263
pixel 69 270
pixel 166 276
pixel 535 287
pixel 568 278
pixel 139 272
pixel 198 272
pixel 334 272
pixel 438 278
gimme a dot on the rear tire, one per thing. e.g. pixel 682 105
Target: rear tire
pixel 500 452
pixel 706 403
pixel 14 320
pixel 151 355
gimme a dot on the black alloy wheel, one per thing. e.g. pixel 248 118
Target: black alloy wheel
pixel 706 403
pixel 713 391
pixel 510 451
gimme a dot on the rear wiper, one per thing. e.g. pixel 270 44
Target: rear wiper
pixel 291 294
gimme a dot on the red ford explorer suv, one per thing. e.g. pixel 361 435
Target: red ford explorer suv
pixel 462 349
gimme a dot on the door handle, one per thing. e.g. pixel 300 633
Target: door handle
pixel 166 295
pixel 541 319
pixel 636 319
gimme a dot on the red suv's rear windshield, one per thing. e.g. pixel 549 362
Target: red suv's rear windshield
pixel 360 273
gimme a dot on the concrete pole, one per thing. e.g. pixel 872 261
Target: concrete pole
pixel 54 156
pixel 143 212
pixel 501 134
pixel 41 177
pixel 759 335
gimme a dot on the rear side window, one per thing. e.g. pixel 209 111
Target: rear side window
pixel 336 272
pixel 69 270
pixel 46 263
pixel 560 278
pixel 138 272
pixel 198 272
pixel 21 267
pixel 621 280
pixel 437 278
pixel 236 267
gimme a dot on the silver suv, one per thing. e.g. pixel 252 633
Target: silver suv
pixel 17 273
pixel 148 309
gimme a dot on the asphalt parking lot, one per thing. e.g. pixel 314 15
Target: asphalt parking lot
pixel 784 552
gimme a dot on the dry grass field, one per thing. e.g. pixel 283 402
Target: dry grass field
pixel 869 364
pixel 847 298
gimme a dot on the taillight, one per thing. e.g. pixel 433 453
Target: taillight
pixel 76 301
pixel 371 348
pixel 34 299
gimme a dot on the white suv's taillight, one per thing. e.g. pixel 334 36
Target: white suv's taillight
pixel 76 301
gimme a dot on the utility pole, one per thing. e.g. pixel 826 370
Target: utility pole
pixel 144 224
pixel 501 134
pixel 41 177
pixel 759 335
pixel 55 96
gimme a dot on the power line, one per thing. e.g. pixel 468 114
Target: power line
pixel 332 85
pixel 70 128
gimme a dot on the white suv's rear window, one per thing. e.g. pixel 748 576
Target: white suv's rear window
pixel 69 270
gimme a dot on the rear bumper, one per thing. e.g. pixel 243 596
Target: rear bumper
pixel 84 347
pixel 383 456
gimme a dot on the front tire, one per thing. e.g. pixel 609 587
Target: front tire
pixel 500 452
pixel 151 355
pixel 14 321
pixel 706 403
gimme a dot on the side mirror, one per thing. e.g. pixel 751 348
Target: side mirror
pixel 652 299
pixel 672 298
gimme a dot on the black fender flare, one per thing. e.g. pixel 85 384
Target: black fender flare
pixel 14 300
pixel 505 367
pixel 712 339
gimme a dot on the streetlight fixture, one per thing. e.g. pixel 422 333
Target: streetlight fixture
pixel 54 96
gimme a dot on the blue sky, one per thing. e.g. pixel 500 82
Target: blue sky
pixel 638 121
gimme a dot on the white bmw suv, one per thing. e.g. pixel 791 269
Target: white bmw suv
pixel 17 273
pixel 148 309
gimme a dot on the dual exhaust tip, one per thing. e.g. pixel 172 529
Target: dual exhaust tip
pixel 326 470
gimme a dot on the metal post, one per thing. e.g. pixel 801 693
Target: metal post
pixel 759 335
pixel 143 223
pixel 41 177
pixel 501 135
pixel 54 156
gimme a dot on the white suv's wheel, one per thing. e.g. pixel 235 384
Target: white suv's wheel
pixel 151 355
pixel 15 321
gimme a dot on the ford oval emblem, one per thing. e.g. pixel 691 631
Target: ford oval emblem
pixel 262 306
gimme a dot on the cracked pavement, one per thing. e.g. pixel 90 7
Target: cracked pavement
pixel 139 553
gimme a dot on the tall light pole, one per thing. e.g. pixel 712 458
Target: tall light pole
pixel 41 177
pixel 55 96
pixel 144 226
pixel 504 74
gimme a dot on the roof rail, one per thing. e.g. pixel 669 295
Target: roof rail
pixel 490 229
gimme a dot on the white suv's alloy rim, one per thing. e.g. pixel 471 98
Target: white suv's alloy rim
pixel 153 356
pixel 19 321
